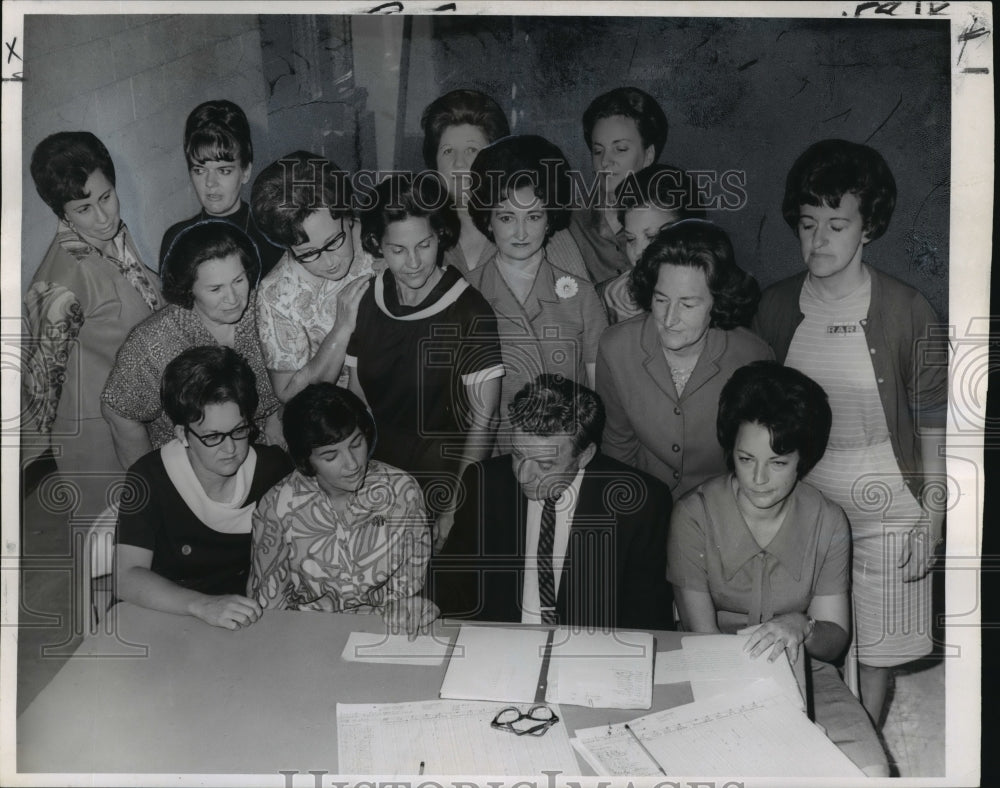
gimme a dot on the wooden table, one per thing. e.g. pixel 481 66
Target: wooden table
pixel 170 694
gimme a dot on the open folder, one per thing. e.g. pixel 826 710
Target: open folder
pixel 597 669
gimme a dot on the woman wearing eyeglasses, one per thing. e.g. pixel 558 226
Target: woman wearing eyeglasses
pixel 207 277
pixel 185 517
pixel 308 305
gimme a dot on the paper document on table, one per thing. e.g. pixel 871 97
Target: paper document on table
pixel 752 733
pixel 395 649
pixel 495 663
pixel 718 665
pixel 606 670
pixel 448 737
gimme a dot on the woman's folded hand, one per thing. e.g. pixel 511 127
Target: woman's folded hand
pixel 231 611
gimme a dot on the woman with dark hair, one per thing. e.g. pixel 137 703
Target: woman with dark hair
pixel 307 306
pixel 219 155
pixel 89 291
pixel 648 201
pixel 759 547
pixel 549 319
pixel 625 131
pixel 870 341
pixel 207 279
pixel 184 521
pixel 344 533
pixel 456 127
pixel 660 373
pixel 424 354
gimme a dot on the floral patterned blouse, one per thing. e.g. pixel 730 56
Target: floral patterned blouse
pixel 307 556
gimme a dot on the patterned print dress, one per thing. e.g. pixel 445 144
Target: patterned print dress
pixel 308 556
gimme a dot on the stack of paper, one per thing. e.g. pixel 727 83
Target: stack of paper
pixel 718 665
pixel 495 663
pixel 606 670
pixel 753 733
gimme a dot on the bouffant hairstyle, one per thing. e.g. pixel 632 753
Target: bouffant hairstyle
pixel 513 163
pixel 828 170
pixel 555 405
pixel 217 130
pixel 792 406
pixel 695 243
pixel 661 186
pixel 206 375
pixel 403 195
pixel 62 163
pixel 295 186
pixel 320 415
pixel 460 108
pixel 212 239
pixel 633 103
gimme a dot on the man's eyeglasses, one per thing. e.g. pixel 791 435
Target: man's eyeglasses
pixel 539 719
pixel 331 246
pixel 240 433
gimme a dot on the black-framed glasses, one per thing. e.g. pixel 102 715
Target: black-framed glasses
pixel 240 433
pixel 331 246
pixel 539 719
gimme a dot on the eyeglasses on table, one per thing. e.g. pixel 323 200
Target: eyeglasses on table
pixel 511 719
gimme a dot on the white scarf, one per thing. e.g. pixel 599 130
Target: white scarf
pixel 230 517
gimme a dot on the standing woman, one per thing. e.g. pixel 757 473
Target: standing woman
pixel 549 319
pixel 660 373
pixel 424 353
pixel 865 337
pixel 207 277
pixel 456 127
pixel 89 291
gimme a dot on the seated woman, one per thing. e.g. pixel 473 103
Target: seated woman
pixel 625 130
pixel 456 127
pixel 653 198
pixel 343 533
pixel 660 375
pixel 90 289
pixel 549 319
pixel 207 278
pixel 307 306
pixel 184 521
pixel 760 547
pixel 425 353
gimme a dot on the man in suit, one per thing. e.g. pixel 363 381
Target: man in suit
pixel 555 532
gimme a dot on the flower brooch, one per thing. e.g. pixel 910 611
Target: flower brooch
pixel 566 287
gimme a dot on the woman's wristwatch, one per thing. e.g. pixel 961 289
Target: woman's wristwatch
pixel 810 626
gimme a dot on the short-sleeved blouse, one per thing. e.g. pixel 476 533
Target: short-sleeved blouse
pixel 296 311
pixel 133 387
pixel 308 556
pixel 556 330
pixel 710 548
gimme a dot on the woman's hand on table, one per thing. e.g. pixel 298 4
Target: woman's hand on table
pixel 785 632
pixel 230 611
pixel 412 615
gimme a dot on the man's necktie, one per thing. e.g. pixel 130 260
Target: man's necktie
pixel 546 580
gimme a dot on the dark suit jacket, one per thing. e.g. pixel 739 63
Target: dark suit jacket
pixel 614 575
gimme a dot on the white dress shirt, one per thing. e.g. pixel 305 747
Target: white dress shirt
pixel 565 507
